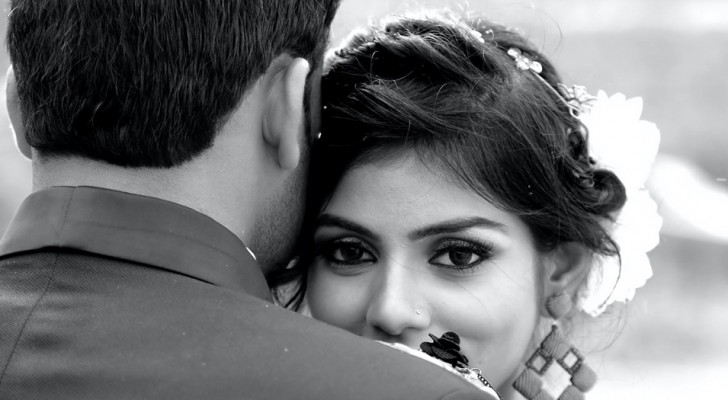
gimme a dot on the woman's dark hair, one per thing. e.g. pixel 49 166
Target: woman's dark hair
pixel 448 90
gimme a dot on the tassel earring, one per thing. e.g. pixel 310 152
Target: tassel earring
pixel 555 353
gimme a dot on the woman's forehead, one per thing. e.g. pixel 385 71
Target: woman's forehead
pixel 406 191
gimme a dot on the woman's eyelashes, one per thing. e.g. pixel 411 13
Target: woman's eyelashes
pixel 347 251
pixel 460 254
pixel 449 253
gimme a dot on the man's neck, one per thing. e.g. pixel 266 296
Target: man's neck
pixel 189 185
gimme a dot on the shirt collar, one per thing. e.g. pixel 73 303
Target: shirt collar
pixel 136 228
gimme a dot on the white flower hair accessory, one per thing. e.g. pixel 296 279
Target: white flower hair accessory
pixel 619 141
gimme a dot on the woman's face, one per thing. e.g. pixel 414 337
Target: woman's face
pixel 403 251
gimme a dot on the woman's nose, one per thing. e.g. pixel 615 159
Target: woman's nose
pixel 395 304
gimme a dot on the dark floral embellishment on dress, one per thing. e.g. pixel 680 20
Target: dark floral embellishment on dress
pixel 446 348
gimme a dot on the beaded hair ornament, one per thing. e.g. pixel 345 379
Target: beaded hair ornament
pixel 619 141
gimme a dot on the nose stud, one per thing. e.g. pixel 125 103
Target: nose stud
pixel 418 312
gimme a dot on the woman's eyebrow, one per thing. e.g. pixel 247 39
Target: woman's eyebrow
pixel 455 225
pixel 343 223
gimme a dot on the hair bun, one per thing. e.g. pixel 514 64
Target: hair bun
pixel 609 193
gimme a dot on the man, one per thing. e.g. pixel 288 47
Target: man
pixel 164 135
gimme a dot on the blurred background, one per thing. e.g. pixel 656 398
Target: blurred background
pixel 673 54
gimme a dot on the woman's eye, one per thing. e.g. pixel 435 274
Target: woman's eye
pixel 456 259
pixel 461 254
pixel 462 258
pixel 347 252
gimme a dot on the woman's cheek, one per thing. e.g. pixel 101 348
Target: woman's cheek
pixel 337 300
pixel 465 314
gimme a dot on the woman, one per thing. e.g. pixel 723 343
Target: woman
pixel 454 191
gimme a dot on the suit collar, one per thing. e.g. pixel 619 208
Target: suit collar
pixel 136 228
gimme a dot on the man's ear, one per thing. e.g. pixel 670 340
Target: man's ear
pixel 284 117
pixel 16 119
pixel 566 267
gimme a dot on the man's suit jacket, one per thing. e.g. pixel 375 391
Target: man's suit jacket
pixel 109 295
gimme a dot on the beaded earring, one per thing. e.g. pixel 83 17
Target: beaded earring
pixel 555 358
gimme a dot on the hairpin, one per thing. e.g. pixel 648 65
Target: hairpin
pixel 524 63
pixel 575 98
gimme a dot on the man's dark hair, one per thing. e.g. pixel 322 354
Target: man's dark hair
pixel 147 83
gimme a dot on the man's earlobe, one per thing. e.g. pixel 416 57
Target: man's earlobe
pixel 285 113
pixel 16 119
